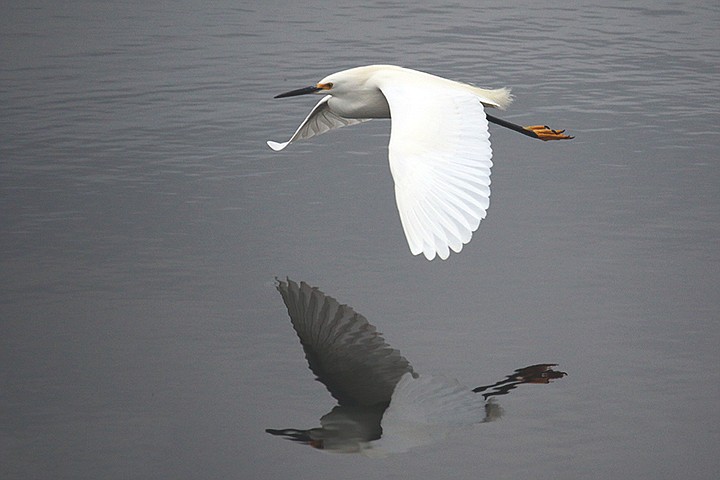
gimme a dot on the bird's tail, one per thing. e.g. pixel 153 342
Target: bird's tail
pixel 497 97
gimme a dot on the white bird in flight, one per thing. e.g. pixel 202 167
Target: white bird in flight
pixel 439 151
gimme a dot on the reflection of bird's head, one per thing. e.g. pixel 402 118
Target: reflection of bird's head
pixel 300 436
pixel 344 430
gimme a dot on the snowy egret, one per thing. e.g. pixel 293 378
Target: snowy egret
pixel 384 405
pixel 439 145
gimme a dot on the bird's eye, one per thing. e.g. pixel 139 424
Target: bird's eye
pixel 325 86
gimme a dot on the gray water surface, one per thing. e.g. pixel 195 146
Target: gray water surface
pixel 143 221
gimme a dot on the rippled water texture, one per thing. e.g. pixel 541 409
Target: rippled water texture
pixel 144 221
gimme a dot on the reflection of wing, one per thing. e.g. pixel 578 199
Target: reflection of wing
pixel 343 350
pixel 320 120
pixel 425 409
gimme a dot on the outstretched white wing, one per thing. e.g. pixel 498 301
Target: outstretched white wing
pixel 440 160
pixel 320 120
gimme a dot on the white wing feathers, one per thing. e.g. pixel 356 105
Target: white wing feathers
pixel 320 120
pixel 440 159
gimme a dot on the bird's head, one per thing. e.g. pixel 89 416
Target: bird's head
pixel 344 82
pixel 320 87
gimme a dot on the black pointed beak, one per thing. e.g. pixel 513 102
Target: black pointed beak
pixel 299 91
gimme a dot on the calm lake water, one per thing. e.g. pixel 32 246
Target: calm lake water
pixel 144 221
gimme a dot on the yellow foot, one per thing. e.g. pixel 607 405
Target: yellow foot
pixel 543 132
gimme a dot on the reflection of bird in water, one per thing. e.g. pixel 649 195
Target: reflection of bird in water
pixel 439 145
pixel 384 406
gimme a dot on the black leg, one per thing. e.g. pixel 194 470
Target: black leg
pixel 541 132
pixel 511 126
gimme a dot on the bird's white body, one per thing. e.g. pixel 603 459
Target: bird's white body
pixel 365 99
pixel 439 152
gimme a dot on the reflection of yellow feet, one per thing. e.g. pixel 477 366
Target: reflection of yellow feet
pixel 543 132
